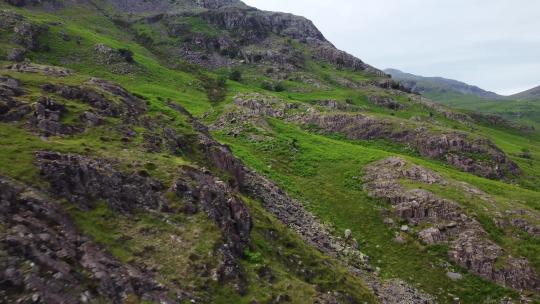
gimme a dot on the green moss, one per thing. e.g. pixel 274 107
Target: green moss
pixel 282 253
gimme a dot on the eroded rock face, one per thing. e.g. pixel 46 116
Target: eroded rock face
pixel 16 54
pixel 127 106
pixel 473 252
pixel 201 190
pixel 292 213
pixel 385 101
pixel 47 70
pixel 45 259
pixel 470 246
pixel 12 109
pixel 84 181
pixel 325 51
pixel 470 154
pixel 26 34
pixel 256 25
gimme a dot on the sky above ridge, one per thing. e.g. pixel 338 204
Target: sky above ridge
pixel 494 44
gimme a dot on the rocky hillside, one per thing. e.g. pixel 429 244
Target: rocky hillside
pixel 209 152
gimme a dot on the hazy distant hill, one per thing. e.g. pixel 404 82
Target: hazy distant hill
pixel 439 85
pixel 521 107
pixel 533 93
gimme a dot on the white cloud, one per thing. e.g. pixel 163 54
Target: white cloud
pixel 494 44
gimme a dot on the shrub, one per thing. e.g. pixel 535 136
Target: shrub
pixel 267 86
pixel 216 89
pixel 235 76
pixel 253 257
pixel 279 87
pixel 127 55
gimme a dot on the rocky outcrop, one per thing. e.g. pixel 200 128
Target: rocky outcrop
pixel 472 251
pixel 22 3
pixel 108 55
pixel 85 181
pixel 520 219
pixel 214 4
pixel 475 155
pixel 163 6
pixel 240 34
pixel 16 54
pixel 470 154
pixel 26 34
pixel 45 259
pixel 292 213
pixel 325 51
pixel 12 109
pixel 385 101
pixel 119 103
pixel 255 25
pixel 119 61
pixel 47 113
pixel 47 70
pixel 200 190
pixel 447 222
pixel 47 117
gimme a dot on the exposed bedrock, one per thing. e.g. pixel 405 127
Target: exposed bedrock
pixel 447 222
pixel 201 190
pixel 84 181
pixel 125 105
pixel 464 151
pixel 292 213
pixel 44 258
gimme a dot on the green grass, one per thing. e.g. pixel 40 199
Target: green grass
pixel 288 257
pixel 324 172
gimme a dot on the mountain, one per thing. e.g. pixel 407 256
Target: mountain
pixel 516 111
pixel 532 94
pixel 439 85
pixel 205 151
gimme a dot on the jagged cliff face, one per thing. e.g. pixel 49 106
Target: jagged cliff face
pixel 164 6
pixel 234 34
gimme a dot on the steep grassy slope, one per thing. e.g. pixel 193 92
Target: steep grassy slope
pixel 183 250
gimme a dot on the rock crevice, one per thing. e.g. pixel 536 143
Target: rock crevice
pixel 447 222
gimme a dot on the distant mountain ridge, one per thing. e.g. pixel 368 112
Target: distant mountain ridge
pixel 438 85
pixel 533 93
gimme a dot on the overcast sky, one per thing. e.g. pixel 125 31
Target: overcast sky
pixel 494 44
